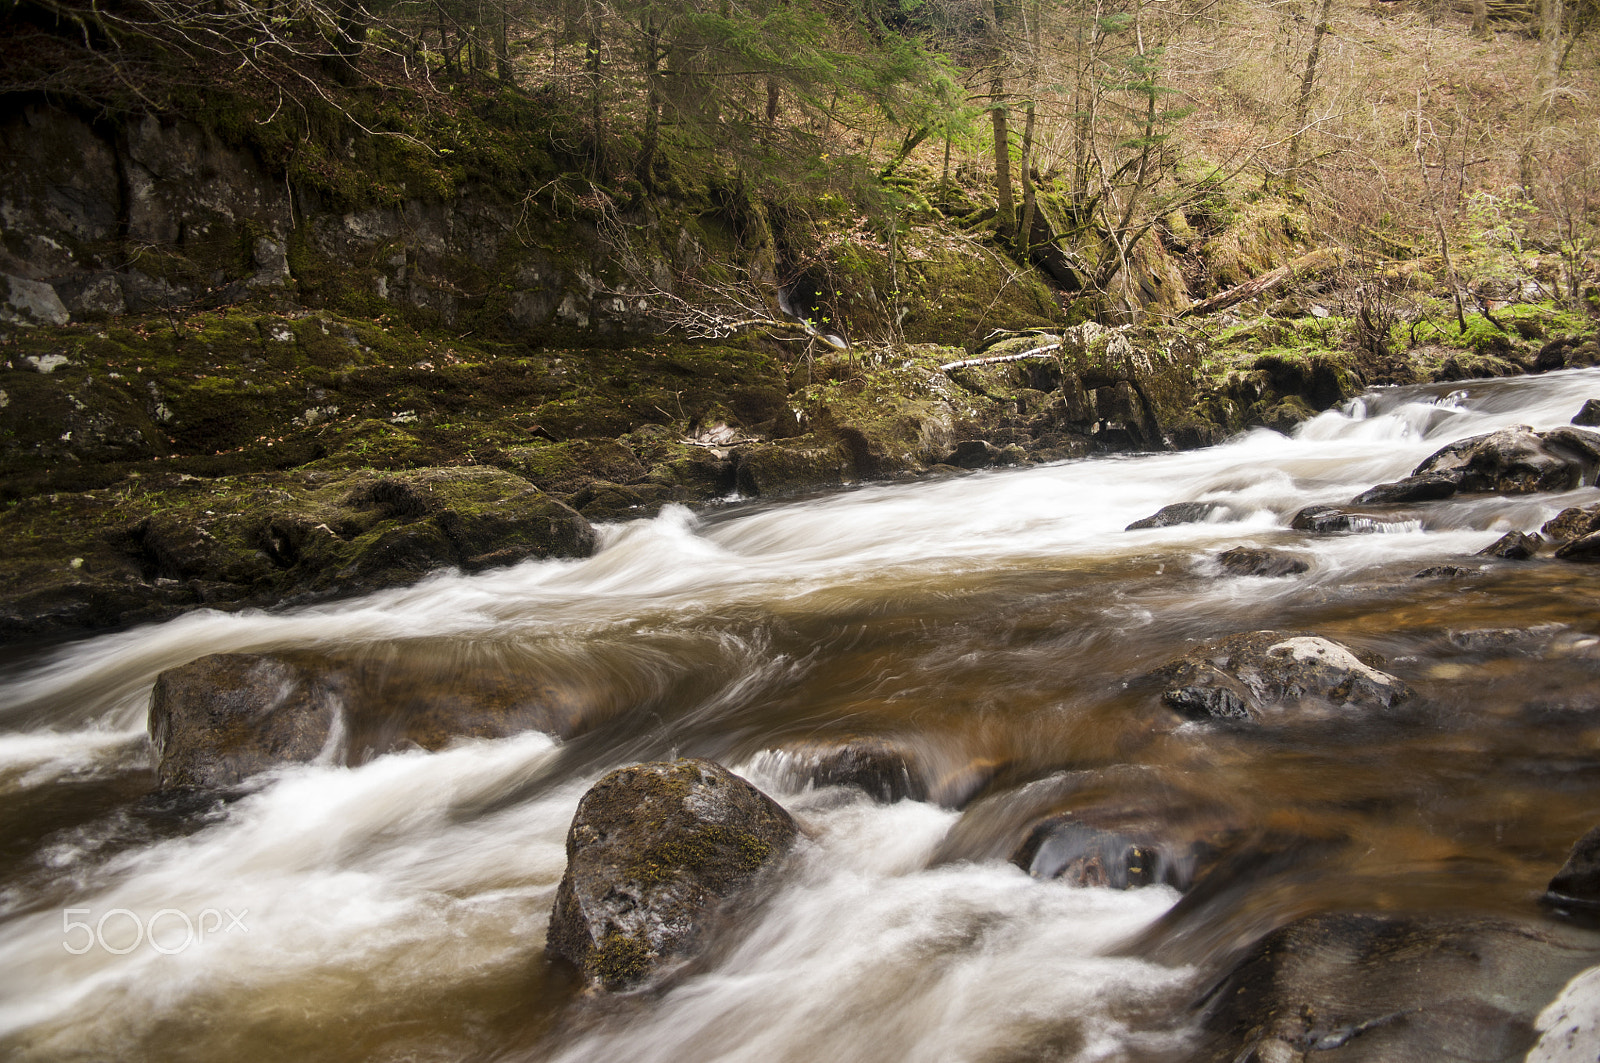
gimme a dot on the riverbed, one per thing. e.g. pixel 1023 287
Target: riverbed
pixel 998 624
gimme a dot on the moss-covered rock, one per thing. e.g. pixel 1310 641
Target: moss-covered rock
pixel 653 852
pixel 160 544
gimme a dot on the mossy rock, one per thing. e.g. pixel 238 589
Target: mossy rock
pixel 792 465
pixel 653 853
pixel 159 545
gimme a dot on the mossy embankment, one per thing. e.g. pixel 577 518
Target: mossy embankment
pixel 160 463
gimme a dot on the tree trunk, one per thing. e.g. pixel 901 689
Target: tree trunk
pixel 1302 105
pixel 597 116
pixel 1006 223
pixel 1030 203
pixel 644 168
pixel 502 47
pixel 1551 13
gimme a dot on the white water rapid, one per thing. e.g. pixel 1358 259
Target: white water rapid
pixel 396 909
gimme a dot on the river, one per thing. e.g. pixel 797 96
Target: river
pixel 394 907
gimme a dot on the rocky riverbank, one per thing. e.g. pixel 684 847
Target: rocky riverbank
pixel 155 465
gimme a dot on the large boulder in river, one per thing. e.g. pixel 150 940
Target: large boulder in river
pixel 1260 675
pixel 1517 460
pixel 1390 987
pixel 217 720
pixel 654 852
pixel 222 718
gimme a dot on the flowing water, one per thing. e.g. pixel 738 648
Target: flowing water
pixel 394 908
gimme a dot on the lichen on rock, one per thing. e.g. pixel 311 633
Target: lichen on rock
pixel 653 852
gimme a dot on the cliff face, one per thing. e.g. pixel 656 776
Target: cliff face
pixel 150 215
pixel 153 214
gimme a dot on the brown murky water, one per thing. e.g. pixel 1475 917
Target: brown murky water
pixel 998 624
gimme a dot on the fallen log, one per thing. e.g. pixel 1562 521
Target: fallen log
pixel 1305 266
pixel 1036 352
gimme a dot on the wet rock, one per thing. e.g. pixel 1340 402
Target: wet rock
pixel 886 770
pixel 1389 987
pixel 1575 890
pixel 653 853
pixel 1589 415
pixel 1571 523
pixel 1082 855
pixel 1322 519
pixel 1513 546
pixel 1325 520
pixel 1569 1027
pixel 1177 513
pixel 1259 675
pixel 1442 572
pixel 1412 489
pixel 1583 548
pixel 1252 561
pixel 1518 460
pixel 973 454
pixel 883 770
pixel 220 719
pixel 1118 827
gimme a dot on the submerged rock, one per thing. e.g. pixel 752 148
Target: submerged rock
pixel 653 852
pixel 1389 987
pixel 1118 828
pixel 1441 572
pixel 1252 561
pixel 1503 639
pixel 1517 460
pixel 886 770
pixel 1261 674
pixel 1178 513
pixel 1080 854
pixel 222 718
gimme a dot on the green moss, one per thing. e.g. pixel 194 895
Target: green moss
pixel 713 853
pixel 621 960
